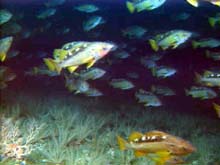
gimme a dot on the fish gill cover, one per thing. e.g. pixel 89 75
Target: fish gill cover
pixel 151 57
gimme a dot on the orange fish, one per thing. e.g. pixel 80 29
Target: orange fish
pixel 166 147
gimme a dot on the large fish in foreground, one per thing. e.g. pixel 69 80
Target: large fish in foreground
pixel 74 54
pixel 165 147
pixel 195 3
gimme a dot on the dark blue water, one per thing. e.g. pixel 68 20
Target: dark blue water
pixel 185 59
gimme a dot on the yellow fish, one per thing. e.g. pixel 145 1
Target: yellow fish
pixel 165 147
pixel 74 54
pixel 195 3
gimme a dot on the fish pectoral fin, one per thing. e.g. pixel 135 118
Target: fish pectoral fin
pixel 2 56
pixel 140 153
pixel 194 3
pixel 121 143
pixel 71 69
pixel 52 65
pixel 135 135
pixel 161 157
pixel 90 64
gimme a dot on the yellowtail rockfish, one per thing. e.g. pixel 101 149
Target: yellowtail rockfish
pixel 162 90
pixel 5 44
pixel 171 39
pixel 195 3
pixel 208 78
pixel 201 92
pixel 163 71
pixel 141 5
pixel 158 146
pixel 121 83
pixel 6 75
pixel 92 73
pixel 213 21
pixel 148 98
pixel 5 16
pixel 74 54
pixel 214 55
pixel 87 8
pixel 206 43
pixel 92 23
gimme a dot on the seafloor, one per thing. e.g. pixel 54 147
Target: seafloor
pixel 63 129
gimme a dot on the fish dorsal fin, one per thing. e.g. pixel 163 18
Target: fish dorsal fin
pixel 194 3
pixel 135 135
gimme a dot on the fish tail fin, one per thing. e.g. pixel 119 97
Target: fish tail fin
pixel 207 53
pixel 212 21
pixel 217 109
pixel 198 77
pixel 153 45
pixel 186 92
pixel 2 56
pixel 130 6
pixel 52 65
pixel 216 3
pixel 121 143
pixel 195 44
pixel 153 71
pixel 194 3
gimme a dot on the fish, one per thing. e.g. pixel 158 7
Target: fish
pixel 10 28
pixel 214 55
pixel 41 70
pixel 121 83
pixel 163 71
pixel 92 23
pixel 134 32
pixel 217 109
pixel 74 54
pixel 148 98
pixel 213 21
pixel 5 16
pixel 206 43
pixel 180 17
pixel 141 5
pixel 6 75
pixel 132 75
pixel 46 13
pixel 5 44
pixel 76 85
pixel 92 92
pixel 87 8
pixel 166 148
pixel 201 92
pixel 92 73
pixel 209 78
pixel 162 90
pixel 195 3
pixel 171 39
pixel 121 54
